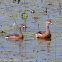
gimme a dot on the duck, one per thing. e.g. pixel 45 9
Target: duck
pixel 45 34
pixel 44 42
pixel 16 36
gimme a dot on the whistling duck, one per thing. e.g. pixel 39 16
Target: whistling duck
pixel 44 34
pixel 16 36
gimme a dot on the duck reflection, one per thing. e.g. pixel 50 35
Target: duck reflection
pixel 20 48
pixel 44 42
pixel 18 44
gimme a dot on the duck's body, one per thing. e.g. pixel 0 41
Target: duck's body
pixel 16 36
pixel 13 36
pixel 44 34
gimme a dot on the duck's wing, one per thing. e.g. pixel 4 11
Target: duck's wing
pixel 12 35
pixel 16 34
pixel 41 32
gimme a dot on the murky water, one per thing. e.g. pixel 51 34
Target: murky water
pixel 31 49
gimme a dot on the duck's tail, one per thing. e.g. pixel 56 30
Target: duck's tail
pixel 36 35
pixel 7 37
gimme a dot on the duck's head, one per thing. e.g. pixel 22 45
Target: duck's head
pixel 21 25
pixel 48 22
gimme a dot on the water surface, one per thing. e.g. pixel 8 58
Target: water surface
pixel 31 49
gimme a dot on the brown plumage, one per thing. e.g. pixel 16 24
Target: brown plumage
pixel 16 36
pixel 44 34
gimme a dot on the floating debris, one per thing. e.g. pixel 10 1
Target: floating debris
pixel 49 4
pixel 32 11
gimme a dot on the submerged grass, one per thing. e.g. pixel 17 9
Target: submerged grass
pixel 3 33
pixel 34 53
pixel 6 52
pixel 2 42
pixel 31 34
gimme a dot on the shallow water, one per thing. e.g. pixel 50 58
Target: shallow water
pixel 31 49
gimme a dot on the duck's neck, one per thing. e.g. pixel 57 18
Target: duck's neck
pixel 20 33
pixel 47 29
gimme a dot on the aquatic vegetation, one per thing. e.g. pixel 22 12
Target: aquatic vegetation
pixel 20 10
pixel 57 48
pixel 41 1
pixel 6 29
pixel 2 12
pixel 59 33
pixel 14 1
pixel 58 60
pixel 7 52
pixel 1 61
pixel 34 53
pixel 14 15
pixel 35 18
pixel 3 33
pixel 24 15
pixel 24 3
pixel 31 34
pixel 1 42
pixel 60 38
pixel 14 10
pixel 14 25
